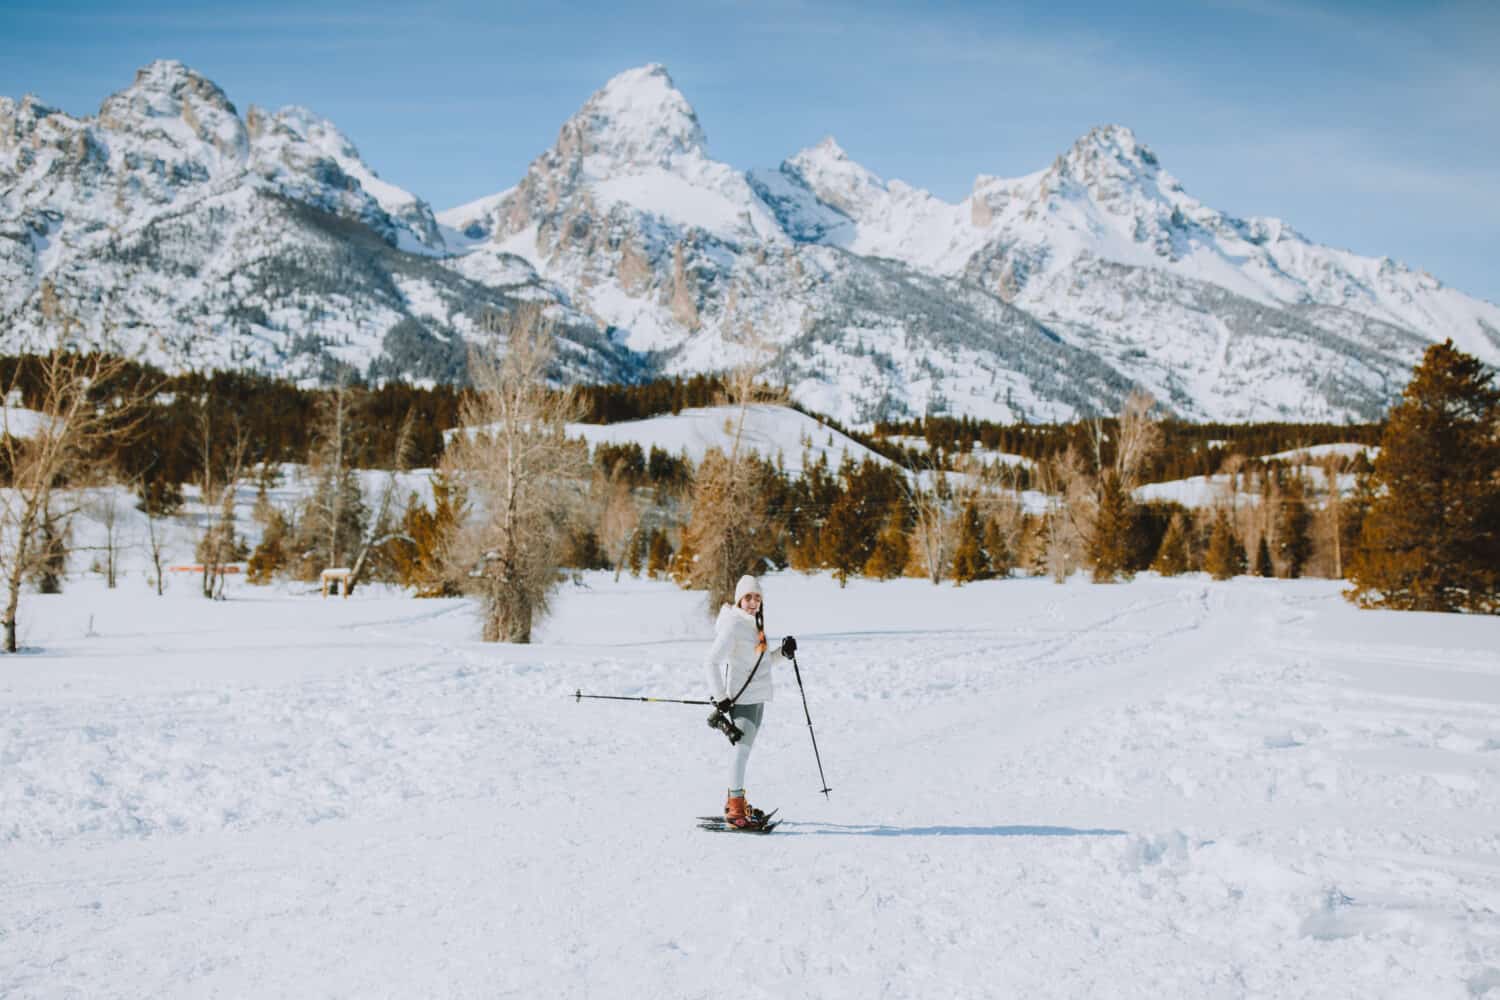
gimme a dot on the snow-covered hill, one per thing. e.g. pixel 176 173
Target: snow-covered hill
pixel 178 230
pixel 777 433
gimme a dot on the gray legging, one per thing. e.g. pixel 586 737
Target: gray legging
pixel 747 717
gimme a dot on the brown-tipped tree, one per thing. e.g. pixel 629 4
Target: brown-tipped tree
pixel 422 552
pixel 1113 538
pixel 891 552
pixel 660 555
pixel 512 458
pixel 81 406
pixel 1225 557
pixel 839 547
pixel 1174 556
pixel 1431 541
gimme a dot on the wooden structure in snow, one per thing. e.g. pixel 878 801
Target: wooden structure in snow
pixel 336 580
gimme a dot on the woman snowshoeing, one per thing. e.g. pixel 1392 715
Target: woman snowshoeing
pixel 740 681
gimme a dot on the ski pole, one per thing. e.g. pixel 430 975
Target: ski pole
pixel 579 696
pixel 816 756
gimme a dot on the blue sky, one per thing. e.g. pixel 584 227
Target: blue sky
pixel 1373 126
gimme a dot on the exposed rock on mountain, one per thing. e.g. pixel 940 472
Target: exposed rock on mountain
pixel 178 229
pixel 169 227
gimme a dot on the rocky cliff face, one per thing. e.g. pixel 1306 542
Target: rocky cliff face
pixel 176 228
pixel 171 228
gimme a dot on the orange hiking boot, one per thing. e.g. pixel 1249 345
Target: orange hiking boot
pixel 739 812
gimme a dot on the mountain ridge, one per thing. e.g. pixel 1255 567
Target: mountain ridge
pixel 196 235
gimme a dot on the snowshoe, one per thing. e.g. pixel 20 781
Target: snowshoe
pixel 765 824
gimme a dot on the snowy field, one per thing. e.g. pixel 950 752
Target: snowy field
pixel 1169 788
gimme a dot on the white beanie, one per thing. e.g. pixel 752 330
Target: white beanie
pixel 747 585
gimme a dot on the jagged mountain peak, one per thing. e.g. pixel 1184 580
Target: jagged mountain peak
pixel 163 87
pixel 315 129
pixel 638 118
pixel 826 148
pixel 172 101
pixel 835 179
pixel 1108 161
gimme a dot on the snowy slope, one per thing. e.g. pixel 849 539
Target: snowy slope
pixel 1109 198
pixel 1038 791
pixel 777 433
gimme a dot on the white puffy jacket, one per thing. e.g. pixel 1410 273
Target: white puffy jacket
pixel 733 656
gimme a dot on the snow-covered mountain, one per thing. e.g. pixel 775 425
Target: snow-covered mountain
pixel 174 229
pixel 1036 296
pixel 179 229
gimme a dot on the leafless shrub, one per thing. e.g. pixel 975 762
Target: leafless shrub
pixel 512 458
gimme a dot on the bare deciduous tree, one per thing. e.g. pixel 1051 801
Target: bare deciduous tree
pixel 69 431
pixel 619 521
pixel 1066 520
pixel 334 511
pixel 729 521
pixel 156 535
pixel 512 457
pixel 1098 486
pixel 216 547
pixel 380 528
pixel 932 533
pixel 105 508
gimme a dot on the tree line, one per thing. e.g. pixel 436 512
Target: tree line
pixel 512 501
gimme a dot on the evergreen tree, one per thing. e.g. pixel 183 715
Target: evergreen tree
pixel 421 557
pixel 1294 528
pixel 583 551
pixel 997 548
pixel 1263 566
pixel 1172 557
pixel 270 556
pixel 969 559
pixel 1431 540
pixel 891 552
pixel 1113 537
pixel 839 541
pixel 681 567
pixel 636 559
pixel 158 497
pixel 1224 556
pixel 660 557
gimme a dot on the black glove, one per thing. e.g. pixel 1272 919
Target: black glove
pixel 723 705
pixel 789 646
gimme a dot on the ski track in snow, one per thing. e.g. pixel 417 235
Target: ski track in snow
pixel 1162 788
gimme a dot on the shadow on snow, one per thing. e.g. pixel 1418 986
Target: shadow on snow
pixel 881 830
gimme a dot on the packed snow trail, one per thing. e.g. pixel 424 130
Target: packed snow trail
pixel 1163 788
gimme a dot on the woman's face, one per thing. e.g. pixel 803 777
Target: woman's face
pixel 750 602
